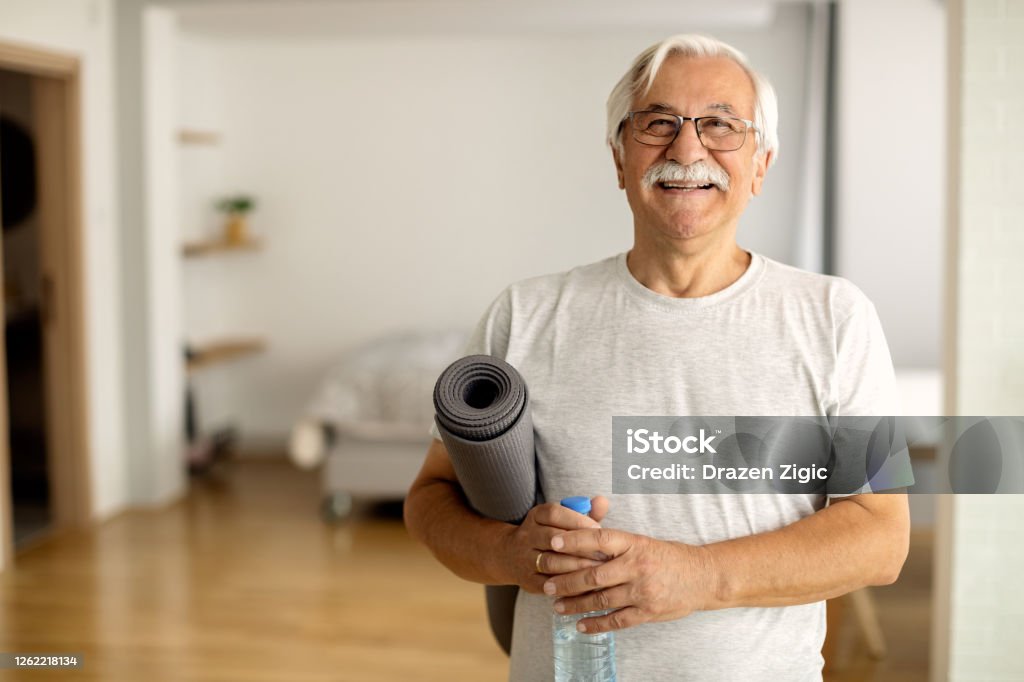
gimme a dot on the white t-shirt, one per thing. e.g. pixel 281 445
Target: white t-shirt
pixel 593 342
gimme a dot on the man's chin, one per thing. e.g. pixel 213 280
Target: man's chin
pixel 682 230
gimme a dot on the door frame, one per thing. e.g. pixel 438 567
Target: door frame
pixel 56 96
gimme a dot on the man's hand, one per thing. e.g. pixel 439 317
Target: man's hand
pixel 532 539
pixel 645 579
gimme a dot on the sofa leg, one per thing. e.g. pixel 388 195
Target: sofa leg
pixel 336 507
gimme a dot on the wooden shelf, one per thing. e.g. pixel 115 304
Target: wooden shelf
pixel 195 249
pixel 192 136
pixel 224 350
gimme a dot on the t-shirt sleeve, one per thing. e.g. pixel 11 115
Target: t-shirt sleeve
pixel 865 379
pixel 490 336
pixel 866 387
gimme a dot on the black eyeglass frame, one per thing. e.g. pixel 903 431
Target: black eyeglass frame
pixel 748 125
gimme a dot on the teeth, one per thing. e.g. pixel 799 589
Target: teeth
pixel 669 185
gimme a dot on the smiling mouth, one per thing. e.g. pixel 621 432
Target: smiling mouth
pixel 684 187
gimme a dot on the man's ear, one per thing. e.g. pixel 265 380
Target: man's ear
pixel 761 162
pixel 618 167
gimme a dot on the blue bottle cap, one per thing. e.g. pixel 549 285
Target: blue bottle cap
pixel 579 504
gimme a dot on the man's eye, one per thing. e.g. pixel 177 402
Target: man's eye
pixel 661 124
pixel 722 125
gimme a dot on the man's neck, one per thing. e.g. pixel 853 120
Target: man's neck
pixel 681 273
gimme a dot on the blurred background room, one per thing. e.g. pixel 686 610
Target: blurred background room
pixel 241 238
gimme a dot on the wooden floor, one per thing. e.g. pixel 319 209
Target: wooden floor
pixel 904 613
pixel 241 582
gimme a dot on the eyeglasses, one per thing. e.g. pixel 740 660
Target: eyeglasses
pixel 718 133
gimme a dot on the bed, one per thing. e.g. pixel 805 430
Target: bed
pixel 368 422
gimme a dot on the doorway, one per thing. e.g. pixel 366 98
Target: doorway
pixel 44 472
pixel 23 302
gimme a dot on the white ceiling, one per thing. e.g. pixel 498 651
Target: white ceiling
pixel 311 18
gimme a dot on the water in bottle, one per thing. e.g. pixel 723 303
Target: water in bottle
pixel 581 657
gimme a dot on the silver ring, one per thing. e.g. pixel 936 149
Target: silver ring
pixel 537 562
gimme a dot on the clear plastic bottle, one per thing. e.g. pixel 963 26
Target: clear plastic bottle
pixel 581 657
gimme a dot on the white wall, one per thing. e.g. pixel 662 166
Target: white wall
pixel 152 384
pixel 889 213
pixel 211 285
pixel 84 28
pixel 403 181
pixel 164 355
pixel 980 551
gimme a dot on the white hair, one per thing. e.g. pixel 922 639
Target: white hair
pixel 638 79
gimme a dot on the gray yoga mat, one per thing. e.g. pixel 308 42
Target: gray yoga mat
pixel 483 414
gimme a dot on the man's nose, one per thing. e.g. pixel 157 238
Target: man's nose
pixel 686 148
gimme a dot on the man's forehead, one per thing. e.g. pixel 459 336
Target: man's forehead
pixel 706 83
pixel 722 107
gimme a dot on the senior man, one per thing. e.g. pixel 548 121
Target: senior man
pixel 711 587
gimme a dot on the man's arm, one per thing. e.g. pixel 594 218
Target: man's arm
pixel 856 541
pixel 436 513
pixel 479 549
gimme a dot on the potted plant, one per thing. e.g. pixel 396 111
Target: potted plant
pixel 236 207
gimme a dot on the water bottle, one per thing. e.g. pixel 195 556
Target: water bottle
pixel 581 657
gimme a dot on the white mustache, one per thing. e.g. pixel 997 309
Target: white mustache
pixel 699 172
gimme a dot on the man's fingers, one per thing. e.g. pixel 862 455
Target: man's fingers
pixel 596 543
pixel 554 563
pixel 605 574
pixel 534 584
pixel 598 507
pixel 544 535
pixel 616 620
pixel 556 515
pixel 600 600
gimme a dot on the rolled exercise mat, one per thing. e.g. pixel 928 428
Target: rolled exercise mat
pixel 483 414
